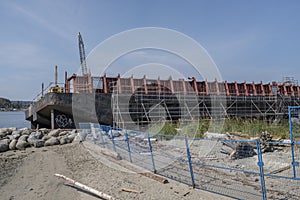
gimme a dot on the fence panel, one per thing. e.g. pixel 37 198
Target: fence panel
pixel 170 157
pixel 140 153
pixel 294 121
pixel 226 167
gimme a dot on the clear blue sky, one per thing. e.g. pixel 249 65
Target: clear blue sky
pixel 248 40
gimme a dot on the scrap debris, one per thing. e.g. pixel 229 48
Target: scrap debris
pixel 131 190
pixel 155 177
pixel 238 150
pixel 265 140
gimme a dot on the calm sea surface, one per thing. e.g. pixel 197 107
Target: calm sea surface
pixel 13 119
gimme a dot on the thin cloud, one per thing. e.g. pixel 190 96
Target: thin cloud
pixel 42 22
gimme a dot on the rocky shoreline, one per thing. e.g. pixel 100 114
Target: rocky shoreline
pixel 20 139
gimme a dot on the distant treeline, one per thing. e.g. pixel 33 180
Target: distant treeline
pixel 6 104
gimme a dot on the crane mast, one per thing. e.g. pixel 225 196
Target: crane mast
pixel 82 55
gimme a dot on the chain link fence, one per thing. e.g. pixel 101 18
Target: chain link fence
pixel 240 169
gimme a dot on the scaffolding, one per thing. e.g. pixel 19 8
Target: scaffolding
pixel 150 105
pixel 151 102
pixel 141 103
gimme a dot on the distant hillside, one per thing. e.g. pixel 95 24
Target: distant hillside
pixel 20 104
pixel 6 104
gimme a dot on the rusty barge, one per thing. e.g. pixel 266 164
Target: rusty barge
pixel 56 108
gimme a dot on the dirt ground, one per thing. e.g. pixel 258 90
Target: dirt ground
pixel 29 174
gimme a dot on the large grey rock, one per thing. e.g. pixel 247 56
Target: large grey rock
pixel 52 141
pixel 16 132
pixel 64 140
pixel 26 132
pixel 21 144
pixel 46 137
pixel 16 135
pixel 74 131
pixel 12 144
pixel 4 132
pixel 31 139
pixel 54 133
pixel 63 133
pixel 12 129
pixel 4 145
pixel 37 135
pixel 72 136
pixel 23 138
pixel 38 143
pixel 77 139
pixel 10 137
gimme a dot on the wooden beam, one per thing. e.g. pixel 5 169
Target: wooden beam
pixel 86 188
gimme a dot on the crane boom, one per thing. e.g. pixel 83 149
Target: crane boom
pixel 82 55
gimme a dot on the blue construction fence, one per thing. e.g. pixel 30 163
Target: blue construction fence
pixel 240 169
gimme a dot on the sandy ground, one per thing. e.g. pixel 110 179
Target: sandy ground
pixel 29 174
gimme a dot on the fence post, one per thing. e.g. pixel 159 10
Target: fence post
pixel 128 145
pixel 101 136
pixel 112 139
pixel 152 158
pixel 292 144
pixel 260 164
pixel 189 161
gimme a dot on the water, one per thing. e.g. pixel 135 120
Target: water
pixel 13 119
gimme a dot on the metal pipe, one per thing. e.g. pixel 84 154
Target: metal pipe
pixel 56 75
pixel 42 89
pixel 66 80
pixel 52 119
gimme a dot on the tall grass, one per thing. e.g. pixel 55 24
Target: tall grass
pixel 253 128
